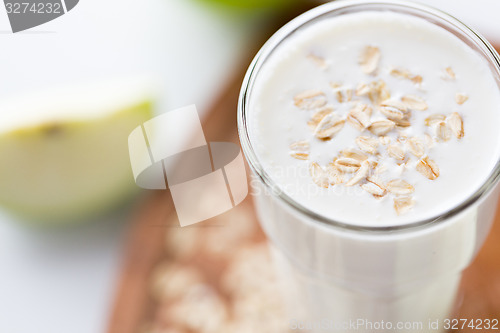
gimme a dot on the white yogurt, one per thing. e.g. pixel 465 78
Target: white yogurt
pixel 405 42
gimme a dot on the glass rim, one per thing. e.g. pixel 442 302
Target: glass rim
pixel 302 20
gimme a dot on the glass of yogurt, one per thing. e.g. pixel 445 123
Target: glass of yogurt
pixel 371 129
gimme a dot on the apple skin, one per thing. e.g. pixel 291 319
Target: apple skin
pixel 252 4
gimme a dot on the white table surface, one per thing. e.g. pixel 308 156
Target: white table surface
pixel 63 280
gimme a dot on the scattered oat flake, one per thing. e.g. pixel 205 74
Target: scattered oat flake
pixel 403 205
pixel 449 74
pixel 392 113
pixel 405 74
pixel 317 60
pixel 401 73
pixel 367 144
pixel 393 103
pixel 299 156
pixel 361 174
pixel 456 125
pixel 337 90
pixel 318 116
pixel 399 187
pixel 366 109
pixel 362 89
pixel 172 280
pixel 380 169
pixel 461 98
pixel 443 132
pixel 379 92
pixel 322 113
pixel 369 59
pixel 417 79
pixel 396 152
pixel 312 124
pixel 300 150
pixel 414 102
pixel 308 94
pixel 374 187
pixel 429 142
pixel 359 116
pixel 346 164
pixel 335 176
pixel 416 147
pixel 355 154
pixel 319 175
pixel 330 125
pixel 384 140
pixel 348 94
pixel 428 168
pixel 381 127
pixel 302 146
pixel 310 99
pixel 434 119
pixel 402 122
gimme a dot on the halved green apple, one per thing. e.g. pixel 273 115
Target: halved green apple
pixel 63 152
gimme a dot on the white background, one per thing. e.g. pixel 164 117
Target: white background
pixel 63 280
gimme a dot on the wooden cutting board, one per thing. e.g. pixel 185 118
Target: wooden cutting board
pixel 146 248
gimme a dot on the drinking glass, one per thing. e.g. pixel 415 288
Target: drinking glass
pixel 342 277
